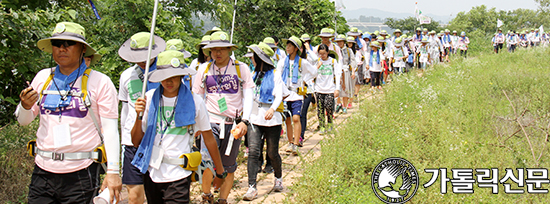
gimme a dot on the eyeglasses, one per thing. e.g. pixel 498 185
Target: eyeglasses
pixel 65 43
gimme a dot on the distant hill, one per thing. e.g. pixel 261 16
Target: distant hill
pixel 354 14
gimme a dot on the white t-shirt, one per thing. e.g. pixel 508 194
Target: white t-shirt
pixel 328 78
pixel 129 91
pixel 308 73
pixel 397 54
pixel 376 67
pixel 176 140
pixel 257 117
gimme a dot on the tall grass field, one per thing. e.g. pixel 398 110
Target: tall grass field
pixel 487 111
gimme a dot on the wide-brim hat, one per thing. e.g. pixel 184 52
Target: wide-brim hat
pixel 170 63
pixel 397 31
pixel 264 52
pixel 340 38
pixel 213 30
pixel 375 44
pixel 66 31
pixel 326 32
pixel 295 41
pixel 350 39
pixel 270 42
pixel 305 37
pixel 204 41
pixel 333 53
pixel 353 32
pixel 95 59
pixel 177 44
pixel 219 39
pixel 424 40
pixel 136 48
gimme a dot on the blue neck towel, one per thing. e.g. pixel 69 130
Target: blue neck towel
pixel 295 70
pixel 62 82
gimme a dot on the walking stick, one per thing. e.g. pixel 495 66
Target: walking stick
pixel 147 65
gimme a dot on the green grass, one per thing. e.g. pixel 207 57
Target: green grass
pixel 454 116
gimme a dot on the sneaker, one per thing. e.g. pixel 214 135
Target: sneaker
pixel 278 187
pixel 301 143
pixel 221 201
pixel 294 150
pixel 338 108
pixel 251 194
pixel 268 169
pixel 207 198
pixel 345 110
pixel 282 132
pixel 289 147
pixel 349 105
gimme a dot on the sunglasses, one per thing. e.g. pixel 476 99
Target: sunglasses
pixel 65 43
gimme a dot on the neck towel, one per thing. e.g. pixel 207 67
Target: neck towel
pixel 358 41
pixel 295 69
pixel 266 87
pixel 377 57
pixel 62 82
pixel 184 115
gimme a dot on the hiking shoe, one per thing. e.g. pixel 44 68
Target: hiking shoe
pixel 251 194
pixel 338 108
pixel 345 110
pixel 268 169
pixel 221 201
pixel 207 198
pixel 278 187
pixel 289 147
pixel 349 105
pixel 294 150
pixel 301 143
pixel 246 153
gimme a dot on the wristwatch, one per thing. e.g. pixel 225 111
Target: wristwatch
pixel 223 175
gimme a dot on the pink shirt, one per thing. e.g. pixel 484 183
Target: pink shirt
pixel 84 136
pixel 223 83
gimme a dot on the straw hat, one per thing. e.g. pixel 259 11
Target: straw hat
pixel 135 49
pixel 66 31
pixel 170 63
pixel 264 52
pixel 219 39
pixel 177 44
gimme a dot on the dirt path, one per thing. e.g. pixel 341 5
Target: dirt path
pixel 293 166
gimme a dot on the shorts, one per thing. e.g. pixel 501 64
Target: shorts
pixel 76 187
pixel 295 107
pixel 229 162
pixel 170 192
pixel 130 174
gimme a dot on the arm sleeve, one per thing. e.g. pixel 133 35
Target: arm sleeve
pixel 338 74
pixel 24 117
pixel 277 91
pixel 247 103
pixel 352 62
pixel 112 144
pixel 123 114
pixel 309 71
pixel 197 80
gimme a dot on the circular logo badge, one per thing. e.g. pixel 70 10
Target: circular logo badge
pixel 175 62
pixel 223 36
pixel 59 28
pixel 395 180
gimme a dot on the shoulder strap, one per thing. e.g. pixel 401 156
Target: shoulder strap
pixel 88 102
pixel 238 67
pixel 45 86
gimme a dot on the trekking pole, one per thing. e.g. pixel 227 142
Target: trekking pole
pixel 233 22
pixel 147 65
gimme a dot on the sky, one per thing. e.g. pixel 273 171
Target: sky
pixel 438 7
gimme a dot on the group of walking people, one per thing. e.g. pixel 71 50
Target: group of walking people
pixel 524 39
pixel 189 124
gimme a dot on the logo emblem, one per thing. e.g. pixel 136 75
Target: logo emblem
pixel 133 43
pixel 223 36
pixel 395 180
pixel 175 62
pixel 173 47
pixel 59 28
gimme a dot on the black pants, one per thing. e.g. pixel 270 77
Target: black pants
pixel 77 187
pixel 171 192
pixel 303 115
pixel 512 48
pixel 272 135
pixel 325 103
pixel 376 78
pixel 463 53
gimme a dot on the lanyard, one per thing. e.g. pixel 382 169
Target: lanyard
pixel 217 77
pixel 166 121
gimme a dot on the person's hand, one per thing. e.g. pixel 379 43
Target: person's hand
pixel 140 105
pixel 336 93
pixel 242 130
pixel 353 76
pixel 269 114
pixel 319 64
pixel 28 97
pixel 114 184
